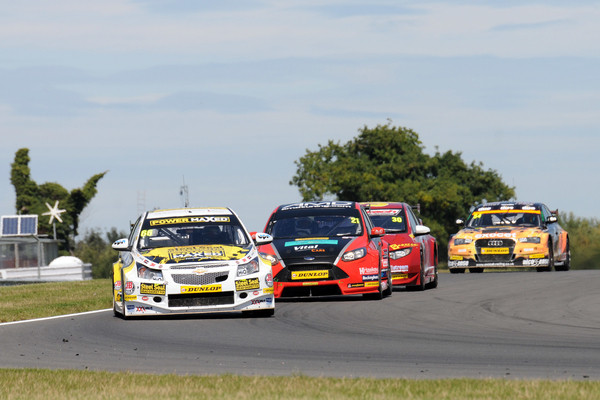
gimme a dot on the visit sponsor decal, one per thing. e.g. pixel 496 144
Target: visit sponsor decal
pixel 308 242
pixel 322 274
pixel 153 288
pixel 368 270
pixel 403 246
pixel 247 284
pixel 318 204
pixel 188 253
pixel 502 250
pixel 201 289
pixel 196 252
pixel 187 220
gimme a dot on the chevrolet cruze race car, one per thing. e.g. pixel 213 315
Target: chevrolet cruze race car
pixel 326 248
pixel 191 260
pixel 509 234
pixel 413 255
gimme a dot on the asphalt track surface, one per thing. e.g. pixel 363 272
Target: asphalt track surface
pixel 521 325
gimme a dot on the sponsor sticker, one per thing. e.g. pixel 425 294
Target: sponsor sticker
pixel 185 220
pixel 399 268
pixel 368 271
pixel 371 284
pixel 310 242
pixel 399 276
pixel 403 246
pixel 153 288
pixel 247 284
pixel 310 274
pixel 370 277
pixel 201 289
pixel 487 250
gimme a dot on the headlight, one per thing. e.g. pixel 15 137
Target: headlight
pixel 394 255
pixel 354 254
pixel 271 258
pixel 269 279
pixel 530 239
pixel 248 268
pixel 462 241
pixel 148 273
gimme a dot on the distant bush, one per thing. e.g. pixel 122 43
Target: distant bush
pixel 95 248
pixel 584 236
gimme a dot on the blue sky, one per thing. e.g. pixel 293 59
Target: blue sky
pixel 228 94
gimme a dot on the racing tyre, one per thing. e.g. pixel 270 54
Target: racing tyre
pixel 388 292
pixel 260 313
pixel 475 270
pixel 457 270
pixel 550 259
pixel 421 285
pixel 567 263
pixel 434 283
pixel 115 312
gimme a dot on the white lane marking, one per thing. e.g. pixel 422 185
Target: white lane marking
pixel 55 317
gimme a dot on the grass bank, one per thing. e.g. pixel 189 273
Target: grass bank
pixel 47 299
pixel 45 384
pixel 37 300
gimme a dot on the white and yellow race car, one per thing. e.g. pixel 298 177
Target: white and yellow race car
pixel 509 234
pixel 191 260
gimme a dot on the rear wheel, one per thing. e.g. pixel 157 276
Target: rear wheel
pixel 457 270
pixel 475 270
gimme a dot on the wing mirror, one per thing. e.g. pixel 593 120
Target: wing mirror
pixel 421 230
pixel 121 245
pixel 377 232
pixel 551 219
pixel 261 238
pixel 460 222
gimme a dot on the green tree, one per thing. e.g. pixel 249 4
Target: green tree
pixel 388 163
pixel 584 240
pixel 96 249
pixel 31 198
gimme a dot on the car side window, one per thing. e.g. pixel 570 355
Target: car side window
pixel 134 229
pixel 411 216
pixel 367 219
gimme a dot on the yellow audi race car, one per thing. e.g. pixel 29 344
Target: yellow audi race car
pixel 509 234
pixel 191 260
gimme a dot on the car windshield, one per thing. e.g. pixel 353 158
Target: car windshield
pixel 504 218
pixel 171 233
pixel 315 225
pixel 393 220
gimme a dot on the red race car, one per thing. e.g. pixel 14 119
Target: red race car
pixel 413 252
pixel 326 248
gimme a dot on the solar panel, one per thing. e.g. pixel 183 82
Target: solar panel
pixel 19 225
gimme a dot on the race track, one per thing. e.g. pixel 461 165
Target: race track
pixel 502 324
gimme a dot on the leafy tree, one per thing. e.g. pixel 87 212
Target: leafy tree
pixel 584 239
pixel 32 199
pixel 388 163
pixel 94 249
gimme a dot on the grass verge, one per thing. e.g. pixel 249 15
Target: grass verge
pixel 39 300
pixel 48 299
pixel 67 384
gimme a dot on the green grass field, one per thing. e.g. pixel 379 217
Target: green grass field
pixel 47 299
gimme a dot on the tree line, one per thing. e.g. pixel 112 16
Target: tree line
pixel 384 163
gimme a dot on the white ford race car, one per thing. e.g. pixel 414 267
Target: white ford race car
pixel 191 260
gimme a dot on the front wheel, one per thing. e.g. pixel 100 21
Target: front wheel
pixel 567 263
pixel 457 270
pixel 260 313
pixel 550 259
